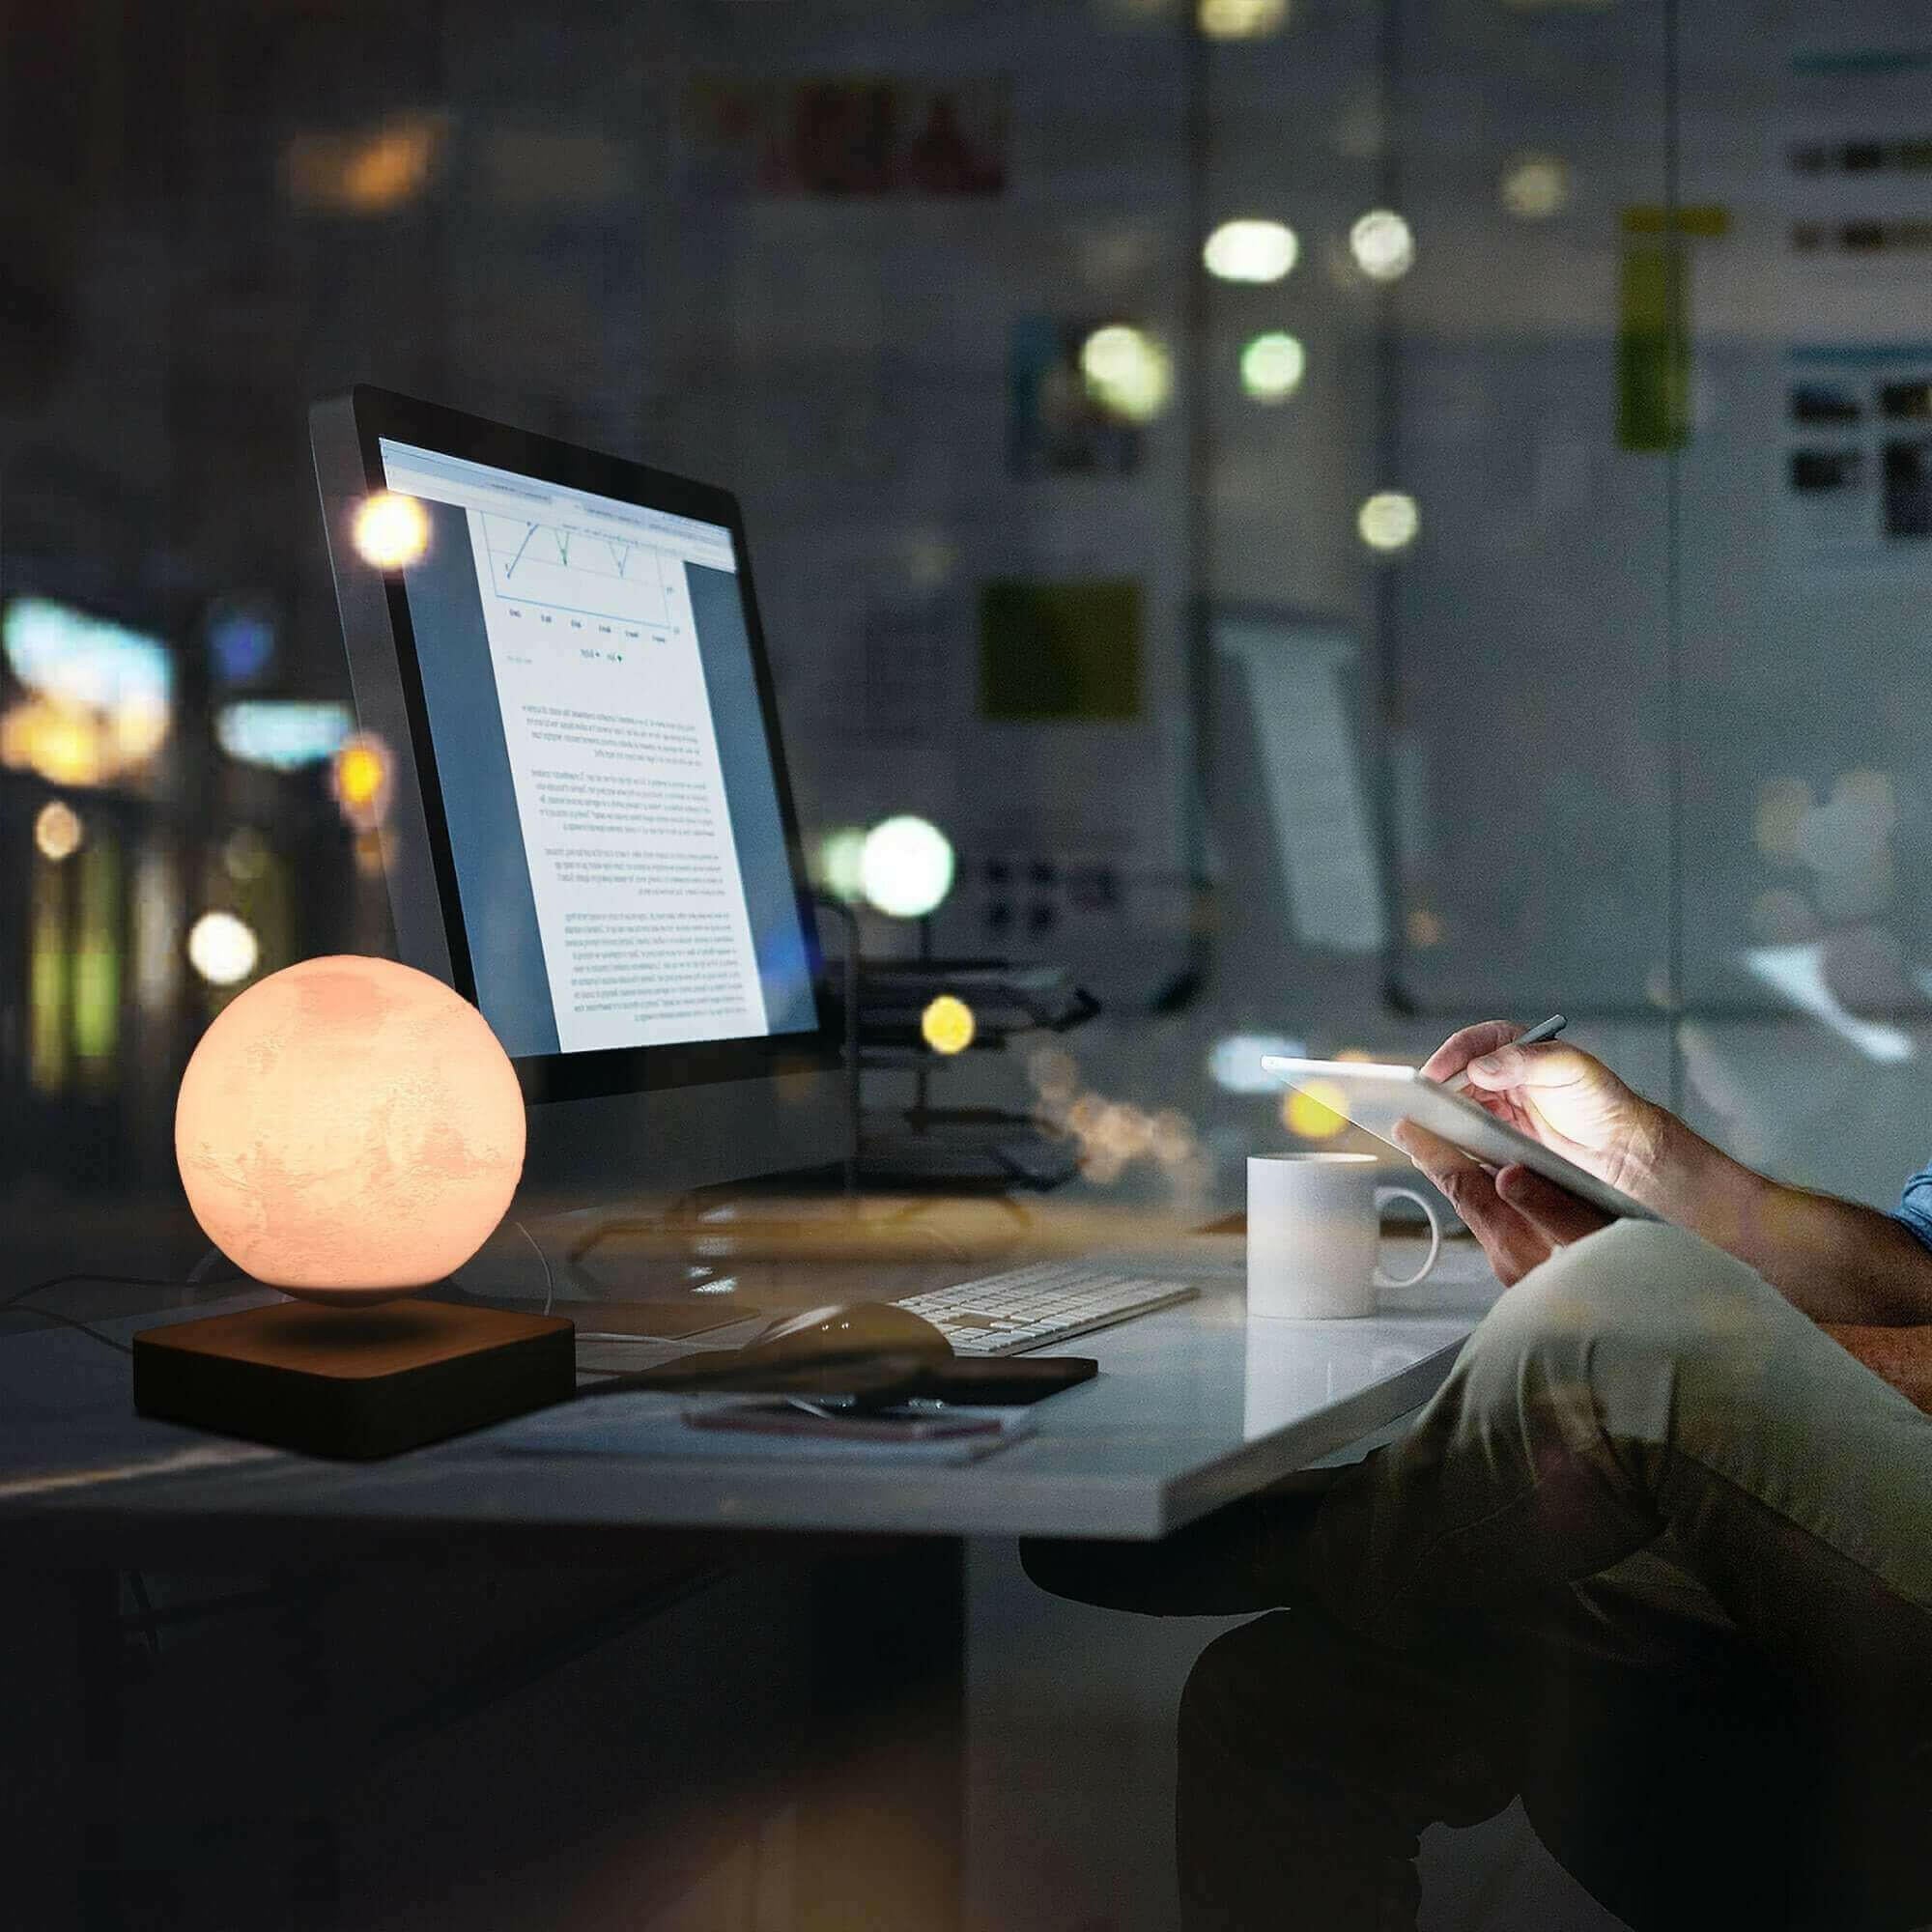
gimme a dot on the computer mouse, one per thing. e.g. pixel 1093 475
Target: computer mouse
pixel 851 1331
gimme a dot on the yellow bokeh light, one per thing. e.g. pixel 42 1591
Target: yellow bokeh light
pixel 1389 520
pixel 360 778
pixel 57 830
pixel 947 1025
pixel 1127 371
pixel 1316 1115
pixel 1273 366
pixel 65 744
pixel 391 530
pixel 1249 250
pixel 1241 19
pixel 390 169
pixel 1384 245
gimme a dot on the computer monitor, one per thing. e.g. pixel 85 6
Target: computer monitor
pixel 589 831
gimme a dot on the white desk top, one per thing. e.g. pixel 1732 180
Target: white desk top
pixel 1193 1407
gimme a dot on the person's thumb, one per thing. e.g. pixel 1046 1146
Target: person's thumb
pixel 1548 1064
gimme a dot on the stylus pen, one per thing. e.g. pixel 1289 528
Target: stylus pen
pixel 1544 1029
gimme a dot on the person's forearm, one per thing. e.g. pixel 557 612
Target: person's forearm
pixel 1835 1260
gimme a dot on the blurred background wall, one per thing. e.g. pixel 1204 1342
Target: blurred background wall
pixel 1353 515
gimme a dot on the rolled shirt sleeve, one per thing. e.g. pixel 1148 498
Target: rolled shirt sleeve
pixel 1915 1207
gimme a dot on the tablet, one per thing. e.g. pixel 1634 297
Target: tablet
pixel 1376 1098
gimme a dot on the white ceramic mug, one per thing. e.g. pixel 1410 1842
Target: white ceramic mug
pixel 1314 1227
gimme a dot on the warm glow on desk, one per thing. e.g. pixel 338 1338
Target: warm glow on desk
pixel 349 1129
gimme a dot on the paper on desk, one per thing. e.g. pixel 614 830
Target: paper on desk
pixel 650 1421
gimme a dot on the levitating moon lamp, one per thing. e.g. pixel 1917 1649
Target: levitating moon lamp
pixel 350 1132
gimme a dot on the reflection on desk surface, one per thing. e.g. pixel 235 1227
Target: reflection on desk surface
pixel 1193 1405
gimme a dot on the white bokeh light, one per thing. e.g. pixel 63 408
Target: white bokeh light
pixel 906 866
pixel 1384 245
pixel 1273 366
pixel 1251 250
pixel 222 948
pixel 1127 371
pixel 1389 520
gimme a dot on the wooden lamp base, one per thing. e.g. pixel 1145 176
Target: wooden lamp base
pixel 356 1382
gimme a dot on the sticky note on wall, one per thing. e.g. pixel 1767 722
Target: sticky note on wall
pixel 1654 323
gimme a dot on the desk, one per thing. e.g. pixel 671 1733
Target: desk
pixel 1193 1407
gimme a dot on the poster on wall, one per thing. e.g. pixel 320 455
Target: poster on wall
pixel 1859 450
pixel 1852 163
pixel 845 135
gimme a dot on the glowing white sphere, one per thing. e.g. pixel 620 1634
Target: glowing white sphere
pixel 1389 519
pixel 1251 251
pixel 1127 371
pixel 1384 245
pixel 349 1129
pixel 906 866
pixel 222 948
pixel 1273 366
pixel 391 530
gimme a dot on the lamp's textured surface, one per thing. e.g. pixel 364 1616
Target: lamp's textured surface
pixel 349 1129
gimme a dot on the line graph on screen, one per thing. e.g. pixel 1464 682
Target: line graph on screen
pixel 560 567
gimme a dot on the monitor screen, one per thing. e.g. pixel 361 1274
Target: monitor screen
pixel 607 780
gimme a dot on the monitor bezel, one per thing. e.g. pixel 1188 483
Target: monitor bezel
pixel 608 1071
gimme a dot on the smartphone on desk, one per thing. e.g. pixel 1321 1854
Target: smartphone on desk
pixel 890 1425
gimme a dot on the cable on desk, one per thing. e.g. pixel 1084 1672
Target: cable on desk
pixel 18 1303
pixel 550 1286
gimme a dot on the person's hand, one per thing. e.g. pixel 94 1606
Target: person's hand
pixel 1560 1096
pixel 1519 1218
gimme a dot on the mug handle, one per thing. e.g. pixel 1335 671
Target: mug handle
pixel 1435 1235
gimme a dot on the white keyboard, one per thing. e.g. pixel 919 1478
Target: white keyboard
pixel 1004 1314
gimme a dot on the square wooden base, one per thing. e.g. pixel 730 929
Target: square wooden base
pixel 356 1382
